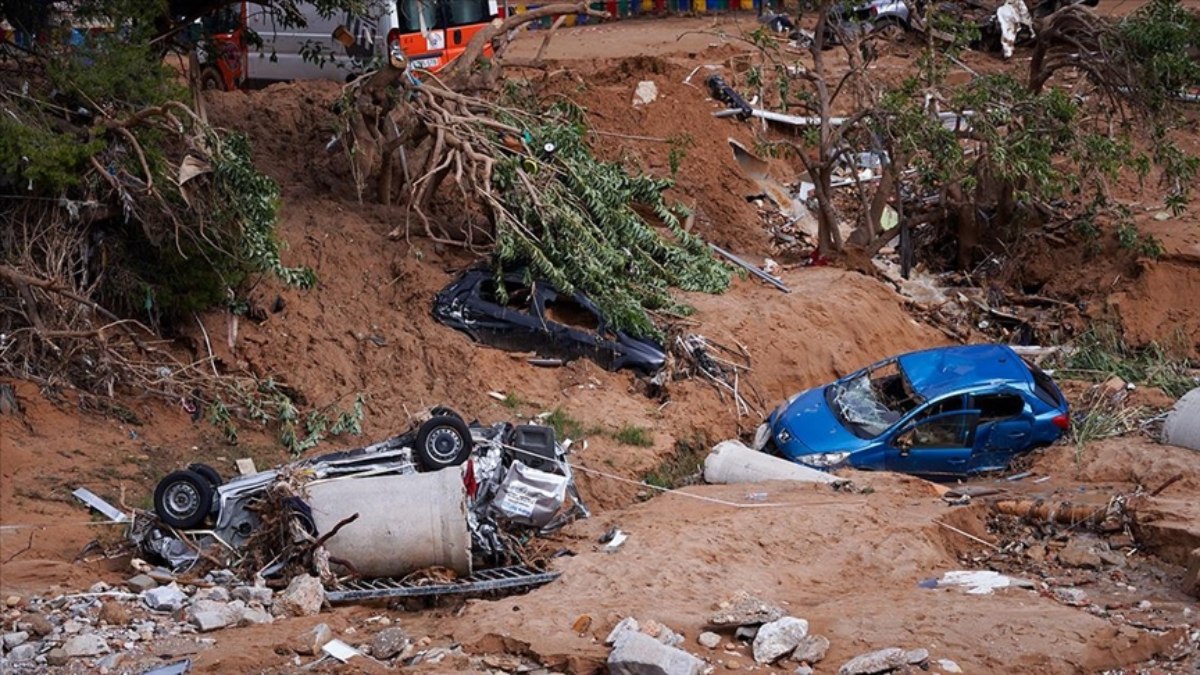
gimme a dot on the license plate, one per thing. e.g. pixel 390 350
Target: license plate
pixel 426 64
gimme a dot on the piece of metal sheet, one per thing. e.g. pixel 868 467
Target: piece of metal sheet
pixel 93 500
pixel 484 581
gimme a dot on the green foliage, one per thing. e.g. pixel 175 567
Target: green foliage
pixel 579 229
pixel 634 435
pixel 679 144
pixel 1162 39
pixel 1101 353
pixel 682 467
pixel 33 156
pixel 567 426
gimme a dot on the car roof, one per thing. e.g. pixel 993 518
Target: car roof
pixel 947 370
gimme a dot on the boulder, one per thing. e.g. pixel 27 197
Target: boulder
pixel 254 594
pixel 209 615
pixel 22 653
pixel 164 598
pixel 879 661
pixel 304 596
pixel 85 644
pixel 777 638
pixel 709 639
pixel 57 657
pixel 811 649
pixel 310 641
pixel 636 653
pixel 389 642
pixel 14 639
pixel 645 93
pixel 255 615
pixel 141 583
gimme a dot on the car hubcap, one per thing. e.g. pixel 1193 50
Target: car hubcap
pixel 443 445
pixel 182 500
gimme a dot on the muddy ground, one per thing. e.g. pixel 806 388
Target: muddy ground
pixel 850 562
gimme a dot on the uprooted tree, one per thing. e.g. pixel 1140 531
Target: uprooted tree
pixel 125 213
pixel 978 160
pixel 521 180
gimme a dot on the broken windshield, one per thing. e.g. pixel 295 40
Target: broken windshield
pixel 869 403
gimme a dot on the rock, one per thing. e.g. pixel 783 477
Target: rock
pixel 254 594
pixel 744 609
pixel 645 93
pixel 304 596
pixel 12 601
pixel 99 587
pixel 110 662
pixel 664 635
pixel 389 642
pixel 746 633
pixel 164 598
pixel 39 625
pixel 13 639
pixel 71 626
pixel 87 644
pixel 140 583
pixel 627 624
pixel 216 594
pixel 309 642
pixel 254 615
pixel 915 657
pixel 803 670
pixel 709 639
pixel 57 657
pixel 22 653
pixel 1077 553
pixel 209 615
pixel 811 649
pixel 113 613
pixel 636 653
pixel 948 666
pixel 1191 578
pixel 778 638
pixel 1071 596
pixel 582 623
pixel 880 661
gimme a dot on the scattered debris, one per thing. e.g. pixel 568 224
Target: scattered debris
pixel 340 650
pixel 883 661
pixel 977 582
pixel 104 508
pixel 635 653
pixel 811 649
pixel 304 596
pixel 645 93
pixel 723 367
pixel 744 609
pixel 774 281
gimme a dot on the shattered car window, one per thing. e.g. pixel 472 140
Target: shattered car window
pixel 871 402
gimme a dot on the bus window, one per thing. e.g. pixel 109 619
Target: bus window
pixel 410 18
pixel 463 12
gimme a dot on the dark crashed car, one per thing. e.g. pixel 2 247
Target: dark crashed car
pixel 537 317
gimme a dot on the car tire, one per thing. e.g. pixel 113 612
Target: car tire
pixel 183 499
pixel 210 80
pixel 443 441
pixel 209 473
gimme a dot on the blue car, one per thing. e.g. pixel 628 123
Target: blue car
pixel 951 411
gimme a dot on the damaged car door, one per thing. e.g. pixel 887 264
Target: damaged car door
pixel 1005 427
pixel 938 439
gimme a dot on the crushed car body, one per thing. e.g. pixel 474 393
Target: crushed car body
pixel 458 489
pixel 537 317
pixel 950 411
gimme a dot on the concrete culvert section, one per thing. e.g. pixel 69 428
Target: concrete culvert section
pixel 405 522
pixel 1182 426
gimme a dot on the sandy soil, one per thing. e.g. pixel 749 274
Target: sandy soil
pixel 848 562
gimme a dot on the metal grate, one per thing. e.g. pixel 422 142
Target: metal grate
pixel 518 578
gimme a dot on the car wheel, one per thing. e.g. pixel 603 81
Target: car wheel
pixel 183 499
pixel 209 473
pixel 892 31
pixel 210 80
pixel 442 442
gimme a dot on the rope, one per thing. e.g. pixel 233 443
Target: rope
pixel 711 500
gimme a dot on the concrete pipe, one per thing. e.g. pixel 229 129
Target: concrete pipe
pixel 405 522
pixel 732 462
pixel 1182 427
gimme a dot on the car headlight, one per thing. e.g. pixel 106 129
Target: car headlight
pixel 825 458
pixel 762 436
